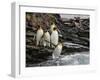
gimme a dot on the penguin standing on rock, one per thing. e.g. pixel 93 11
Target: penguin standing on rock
pixel 46 41
pixel 39 35
pixel 54 37
pixel 57 51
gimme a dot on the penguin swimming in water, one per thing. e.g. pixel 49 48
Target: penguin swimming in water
pixel 54 37
pixel 39 35
pixel 46 40
pixel 57 51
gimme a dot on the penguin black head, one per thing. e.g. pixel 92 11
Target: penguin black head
pixel 61 41
pixel 52 23
pixel 55 28
pixel 39 27
pixel 45 31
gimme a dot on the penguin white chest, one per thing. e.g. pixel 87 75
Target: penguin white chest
pixel 54 37
pixel 57 52
pixel 47 39
pixel 39 36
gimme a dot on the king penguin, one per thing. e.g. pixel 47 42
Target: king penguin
pixel 46 37
pixel 39 35
pixel 57 51
pixel 54 37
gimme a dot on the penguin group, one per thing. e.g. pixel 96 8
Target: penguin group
pixel 49 39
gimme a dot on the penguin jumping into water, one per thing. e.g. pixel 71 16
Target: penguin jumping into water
pixel 46 39
pixel 39 35
pixel 54 37
pixel 57 51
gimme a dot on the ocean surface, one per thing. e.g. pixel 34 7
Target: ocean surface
pixel 78 58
